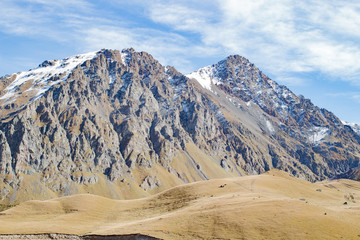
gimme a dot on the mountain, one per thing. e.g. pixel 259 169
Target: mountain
pixel 267 206
pixel 121 125
pixel 354 126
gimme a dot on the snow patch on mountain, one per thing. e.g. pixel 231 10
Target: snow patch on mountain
pixel 270 126
pixel 126 55
pixel 317 134
pixel 205 76
pixel 112 77
pixel 112 73
pixel 354 126
pixel 45 76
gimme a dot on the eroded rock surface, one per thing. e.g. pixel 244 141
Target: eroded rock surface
pixel 121 120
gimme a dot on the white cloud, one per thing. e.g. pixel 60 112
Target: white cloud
pixel 282 37
pixel 178 16
pixel 292 41
pixel 341 17
pixel 169 49
pixel 42 18
pixel 291 80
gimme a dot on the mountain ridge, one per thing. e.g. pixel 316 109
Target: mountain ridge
pixel 120 120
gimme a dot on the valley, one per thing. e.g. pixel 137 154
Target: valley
pixel 273 205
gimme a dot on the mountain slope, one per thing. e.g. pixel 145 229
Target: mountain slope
pixel 354 126
pixel 319 136
pixel 121 125
pixel 267 206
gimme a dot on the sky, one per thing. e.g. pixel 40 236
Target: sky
pixel 311 46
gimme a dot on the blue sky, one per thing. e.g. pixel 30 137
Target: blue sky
pixel 311 46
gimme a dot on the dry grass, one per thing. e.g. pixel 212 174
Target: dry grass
pixel 268 206
pixel 5 206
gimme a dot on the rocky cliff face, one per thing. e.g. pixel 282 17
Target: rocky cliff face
pixel 315 137
pixel 119 124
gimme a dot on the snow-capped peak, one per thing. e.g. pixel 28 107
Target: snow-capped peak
pixel 354 126
pixel 205 76
pixel 39 78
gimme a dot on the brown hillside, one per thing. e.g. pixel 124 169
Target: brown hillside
pixel 268 206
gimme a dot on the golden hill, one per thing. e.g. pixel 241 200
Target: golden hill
pixel 268 206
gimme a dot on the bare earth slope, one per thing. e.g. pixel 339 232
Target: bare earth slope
pixel 273 205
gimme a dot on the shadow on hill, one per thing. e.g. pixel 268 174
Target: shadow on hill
pixel 119 237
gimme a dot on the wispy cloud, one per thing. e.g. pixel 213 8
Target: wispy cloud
pixel 283 37
pixel 350 95
pixel 164 47
pixel 299 43
pixel 41 18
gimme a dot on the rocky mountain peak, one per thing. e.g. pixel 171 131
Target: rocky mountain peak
pixel 109 121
